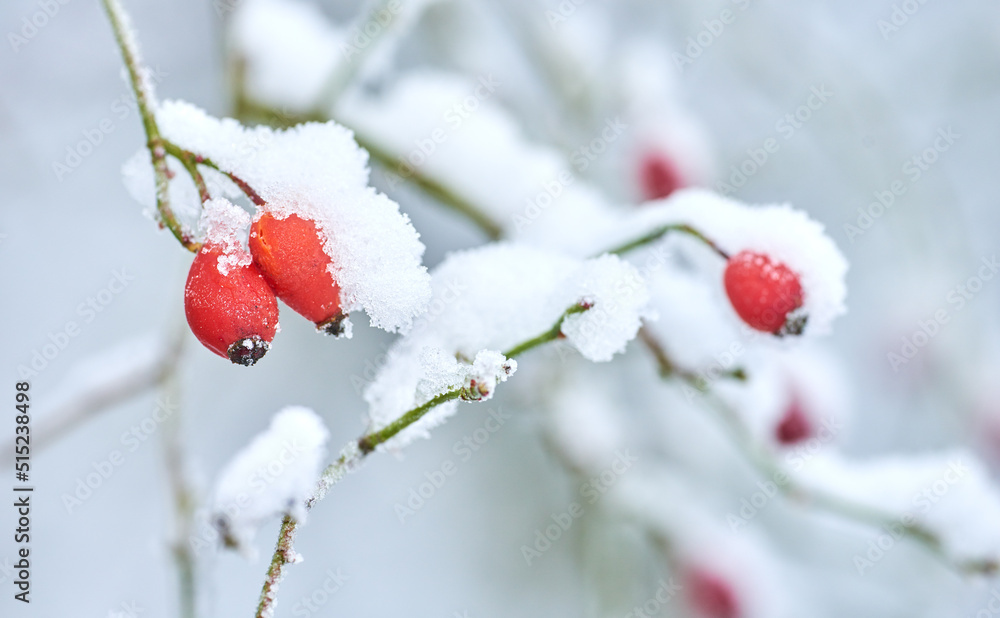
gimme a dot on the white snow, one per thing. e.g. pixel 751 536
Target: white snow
pixel 660 123
pixel 318 172
pixel 948 493
pixel 669 504
pixel 293 53
pixel 272 476
pixel 290 50
pixel 785 234
pixel 225 225
pixel 805 376
pixel 437 124
pixel 496 297
pixel 584 422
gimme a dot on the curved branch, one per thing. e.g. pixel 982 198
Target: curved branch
pixel 122 27
pixel 355 451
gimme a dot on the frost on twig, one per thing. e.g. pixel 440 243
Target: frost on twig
pixel 494 298
pixel 318 172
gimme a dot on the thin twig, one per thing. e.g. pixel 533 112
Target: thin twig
pixel 250 110
pixel 663 231
pixel 121 25
pixel 433 188
pixel 343 73
pixel 190 162
pixel 58 421
pixel 766 465
pixel 669 368
pixel 183 499
pixel 356 450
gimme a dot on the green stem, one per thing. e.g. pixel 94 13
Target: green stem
pixel 433 188
pixel 668 368
pixel 283 554
pixel 121 26
pixel 250 110
pixel 768 467
pixel 343 73
pixel 358 449
pixel 190 162
pixel 663 231
pixel 550 335
pixel 369 442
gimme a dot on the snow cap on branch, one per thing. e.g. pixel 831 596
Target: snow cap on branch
pixel 784 234
pixel 948 494
pixel 494 298
pixel 318 172
pixel 272 476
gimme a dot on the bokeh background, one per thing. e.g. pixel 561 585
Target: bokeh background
pixel 62 237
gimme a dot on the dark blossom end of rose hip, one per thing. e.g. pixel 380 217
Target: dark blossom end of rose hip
pixel 248 351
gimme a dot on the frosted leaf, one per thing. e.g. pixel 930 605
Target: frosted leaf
pixel 272 476
pixel 318 172
pixel 948 494
pixel 493 298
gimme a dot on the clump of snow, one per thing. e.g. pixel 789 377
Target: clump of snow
pixel 784 234
pixel 318 172
pixel 137 176
pixel 662 125
pixel 804 381
pixel 494 298
pixel 693 326
pixel 487 370
pixel 224 225
pixel 272 476
pixel 289 50
pixel 292 54
pixel 949 494
pixel 436 125
pixel 699 543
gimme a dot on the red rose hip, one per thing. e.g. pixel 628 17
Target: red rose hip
pixel 794 426
pixel 711 596
pixel 234 314
pixel 658 176
pixel 290 255
pixel 764 293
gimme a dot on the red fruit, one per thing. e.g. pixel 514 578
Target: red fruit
pixel 794 425
pixel 234 315
pixel 658 176
pixel 711 595
pixel 764 293
pixel 290 255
